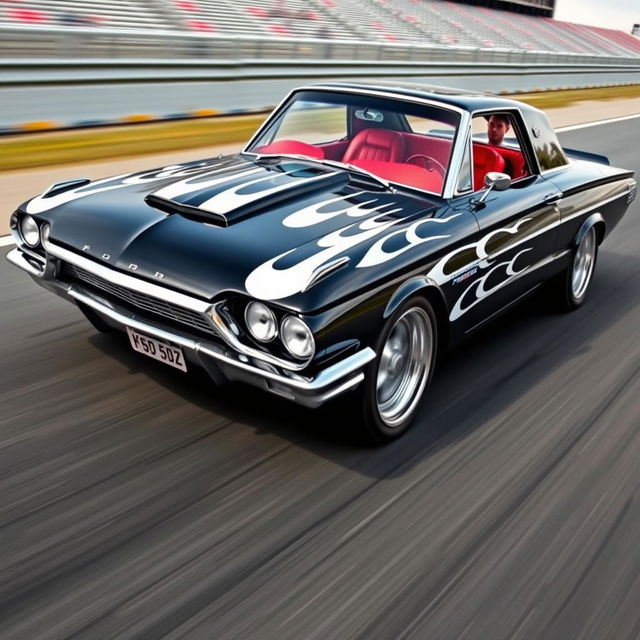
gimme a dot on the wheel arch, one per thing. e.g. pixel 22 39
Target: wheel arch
pixel 428 289
pixel 594 220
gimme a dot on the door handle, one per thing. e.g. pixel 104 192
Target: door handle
pixel 553 198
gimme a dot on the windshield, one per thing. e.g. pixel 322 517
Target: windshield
pixel 400 142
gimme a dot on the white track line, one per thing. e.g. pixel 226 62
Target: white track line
pixel 573 127
pixel 5 241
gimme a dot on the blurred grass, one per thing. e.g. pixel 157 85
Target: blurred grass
pixel 62 147
pixel 76 146
pixel 567 97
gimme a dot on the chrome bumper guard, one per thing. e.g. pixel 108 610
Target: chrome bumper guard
pixel 307 391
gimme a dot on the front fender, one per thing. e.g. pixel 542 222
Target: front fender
pixel 419 285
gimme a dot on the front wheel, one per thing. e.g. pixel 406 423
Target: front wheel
pixel 401 372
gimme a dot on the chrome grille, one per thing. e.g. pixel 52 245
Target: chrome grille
pixel 139 301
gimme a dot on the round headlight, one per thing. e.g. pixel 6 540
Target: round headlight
pixel 261 321
pixel 44 233
pixel 297 337
pixel 29 231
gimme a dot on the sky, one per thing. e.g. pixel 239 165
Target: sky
pixel 612 14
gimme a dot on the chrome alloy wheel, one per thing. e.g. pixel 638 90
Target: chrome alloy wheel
pixel 404 366
pixel 583 263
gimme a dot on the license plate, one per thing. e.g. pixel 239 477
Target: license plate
pixel 158 350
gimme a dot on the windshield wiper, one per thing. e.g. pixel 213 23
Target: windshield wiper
pixel 352 167
pixel 328 163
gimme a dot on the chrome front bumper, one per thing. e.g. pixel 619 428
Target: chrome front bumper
pixel 217 359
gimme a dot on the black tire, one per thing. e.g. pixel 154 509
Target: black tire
pixel 572 285
pixel 395 383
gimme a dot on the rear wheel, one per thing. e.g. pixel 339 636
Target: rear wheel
pixel 573 283
pixel 399 376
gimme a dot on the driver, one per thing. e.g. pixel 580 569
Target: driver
pixel 497 126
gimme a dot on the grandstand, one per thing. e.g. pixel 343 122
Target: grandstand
pixel 429 22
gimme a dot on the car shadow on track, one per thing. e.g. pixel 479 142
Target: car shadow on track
pixel 474 383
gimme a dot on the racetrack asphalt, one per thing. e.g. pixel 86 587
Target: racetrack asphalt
pixel 139 502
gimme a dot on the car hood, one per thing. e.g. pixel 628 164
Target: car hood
pixel 269 230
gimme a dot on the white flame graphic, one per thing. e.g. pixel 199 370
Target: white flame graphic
pixel 377 254
pixel 437 274
pixel 269 283
pixel 41 203
pixel 481 291
pixel 311 215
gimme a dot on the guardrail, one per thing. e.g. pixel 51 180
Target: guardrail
pixel 90 43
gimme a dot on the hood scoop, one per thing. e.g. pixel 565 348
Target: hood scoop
pixel 236 197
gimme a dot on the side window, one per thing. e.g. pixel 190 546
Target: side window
pixel 430 127
pixel 496 147
pixel 545 143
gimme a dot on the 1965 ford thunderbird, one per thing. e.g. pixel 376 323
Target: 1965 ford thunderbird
pixel 363 229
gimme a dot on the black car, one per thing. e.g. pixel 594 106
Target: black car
pixel 363 229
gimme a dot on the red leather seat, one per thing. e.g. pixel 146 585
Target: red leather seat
pixel 514 162
pixel 292 146
pixel 380 145
pixel 485 159
pixel 404 174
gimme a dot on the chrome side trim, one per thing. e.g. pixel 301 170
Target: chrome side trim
pixel 509 304
pixel 346 373
pixel 128 281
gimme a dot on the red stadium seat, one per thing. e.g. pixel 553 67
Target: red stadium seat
pixel 200 25
pixel 258 12
pixel 280 29
pixel 485 160
pixel 28 15
pixel 187 5
pixel 376 144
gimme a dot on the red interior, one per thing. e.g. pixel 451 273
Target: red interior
pixel 386 152
pixel 485 159
pixel 292 146
pixel 409 174
pixel 437 148
pixel 512 162
pixel 376 144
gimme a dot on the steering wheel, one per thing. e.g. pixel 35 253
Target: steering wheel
pixel 426 162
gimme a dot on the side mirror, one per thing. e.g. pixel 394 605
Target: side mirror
pixel 494 180
pixel 498 181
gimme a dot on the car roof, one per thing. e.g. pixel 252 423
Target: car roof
pixel 460 98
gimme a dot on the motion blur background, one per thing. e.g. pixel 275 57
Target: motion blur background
pixel 137 502
pixel 81 62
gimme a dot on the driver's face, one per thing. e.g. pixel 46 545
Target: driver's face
pixel 496 130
